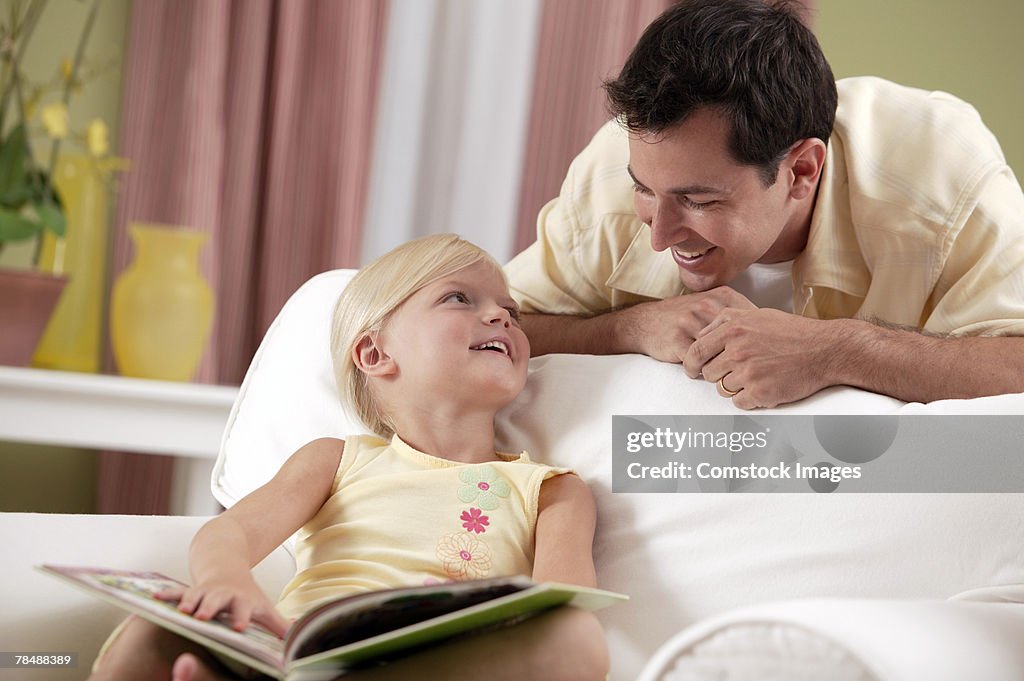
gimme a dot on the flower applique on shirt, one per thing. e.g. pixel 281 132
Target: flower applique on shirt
pixel 474 520
pixel 465 554
pixel 484 486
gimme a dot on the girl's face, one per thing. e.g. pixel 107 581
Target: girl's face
pixel 460 335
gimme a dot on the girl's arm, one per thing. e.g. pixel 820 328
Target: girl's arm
pixel 564 552
pixel 226 548
pixel 564 537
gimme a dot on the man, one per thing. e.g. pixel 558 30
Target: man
pixel 734 220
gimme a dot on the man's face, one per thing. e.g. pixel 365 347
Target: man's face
pixel 714 215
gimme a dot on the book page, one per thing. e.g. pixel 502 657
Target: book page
pixel 134 591
pixel 498 602
pixel 361 617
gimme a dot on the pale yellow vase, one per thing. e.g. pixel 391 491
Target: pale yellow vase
pixel 161 308
pixel 72 337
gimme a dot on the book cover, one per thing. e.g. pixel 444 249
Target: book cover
pixel 346 633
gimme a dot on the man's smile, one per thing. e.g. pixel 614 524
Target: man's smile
pixel 690 258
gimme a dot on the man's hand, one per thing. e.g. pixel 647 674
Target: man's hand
pixel 764 357
pixel 665 329
pixel 662 329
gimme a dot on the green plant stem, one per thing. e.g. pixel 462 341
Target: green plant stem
pixel 66 96
pixel 66 100
pixel 20 100
pixel 15 85
pixel 20 35
pixel 19 97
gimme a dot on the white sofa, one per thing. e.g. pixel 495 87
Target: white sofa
pixel 722 586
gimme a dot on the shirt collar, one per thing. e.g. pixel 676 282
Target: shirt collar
pixel 832 257
pixel 645 272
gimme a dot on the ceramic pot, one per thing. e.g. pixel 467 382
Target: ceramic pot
pixel 27 300
pixel 161 308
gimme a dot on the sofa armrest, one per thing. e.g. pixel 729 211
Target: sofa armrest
pixel 850 639
pixel 44 615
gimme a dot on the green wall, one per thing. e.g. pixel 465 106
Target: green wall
pixel 47 479
pixel 970 48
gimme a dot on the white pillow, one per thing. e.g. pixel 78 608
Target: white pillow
pixel 288 396
pixel 682 557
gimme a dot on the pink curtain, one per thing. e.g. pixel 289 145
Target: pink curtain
pixel 581 44
pixel 250 120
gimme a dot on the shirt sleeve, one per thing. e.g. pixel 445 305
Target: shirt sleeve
pixel 981 289
pixel 565 271
pixel 546 277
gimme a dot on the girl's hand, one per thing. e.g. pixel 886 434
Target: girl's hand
pixel 244 600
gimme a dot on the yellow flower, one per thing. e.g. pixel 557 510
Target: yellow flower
pixel 32 102
pixel 55 120
pixel 97 139
pixel 67 68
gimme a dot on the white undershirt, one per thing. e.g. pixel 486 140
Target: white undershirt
pixel 767 285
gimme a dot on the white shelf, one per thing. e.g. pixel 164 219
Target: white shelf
pixel 124 414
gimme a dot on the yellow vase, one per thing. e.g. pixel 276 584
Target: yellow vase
pixel 73 335
pixel 161 308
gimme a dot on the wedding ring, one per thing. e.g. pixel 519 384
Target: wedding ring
pixel 730 393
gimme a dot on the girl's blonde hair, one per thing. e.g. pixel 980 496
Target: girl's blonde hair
pixel 373 294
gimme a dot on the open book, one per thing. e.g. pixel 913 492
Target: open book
pixel 346 633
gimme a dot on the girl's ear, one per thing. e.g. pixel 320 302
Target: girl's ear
pixel 370 359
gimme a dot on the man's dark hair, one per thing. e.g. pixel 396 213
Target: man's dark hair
pixel 754 61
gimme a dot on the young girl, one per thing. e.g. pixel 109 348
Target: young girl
pixel 427 348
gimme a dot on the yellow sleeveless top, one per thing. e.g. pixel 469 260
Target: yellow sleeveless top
pixel 399 517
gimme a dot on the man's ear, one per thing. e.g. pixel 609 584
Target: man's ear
pixel 371 359
pixel 805 162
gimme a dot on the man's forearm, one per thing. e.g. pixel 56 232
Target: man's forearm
pixel 662 329
pixel 603 334
pixel 919 368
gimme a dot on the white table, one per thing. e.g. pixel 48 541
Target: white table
pixel 185 420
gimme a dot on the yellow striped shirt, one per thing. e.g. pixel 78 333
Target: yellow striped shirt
pixel 918 221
